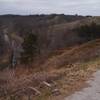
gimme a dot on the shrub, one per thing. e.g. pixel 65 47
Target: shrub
pixel 89 32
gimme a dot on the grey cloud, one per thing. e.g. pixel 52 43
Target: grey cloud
pixel 84 7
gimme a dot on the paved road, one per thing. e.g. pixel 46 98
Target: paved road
pixel 90 93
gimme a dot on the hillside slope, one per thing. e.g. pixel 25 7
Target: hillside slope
pixel 82 53
pixel 64 63
pixel 75 64
pixel 44 26
pixel 53 31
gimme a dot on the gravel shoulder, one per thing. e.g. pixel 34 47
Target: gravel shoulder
pixel 92 92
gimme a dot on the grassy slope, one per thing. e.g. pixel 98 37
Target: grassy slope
pixel 80 53
pixel 69 70
pixel 73 67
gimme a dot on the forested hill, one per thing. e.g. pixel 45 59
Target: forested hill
pixel 42 25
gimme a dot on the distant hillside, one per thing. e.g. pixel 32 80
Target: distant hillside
pixel 54 32
pixel 44 26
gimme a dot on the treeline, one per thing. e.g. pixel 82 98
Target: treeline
pixel 89 32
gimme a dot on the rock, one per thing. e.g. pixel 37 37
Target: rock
pixel 56 92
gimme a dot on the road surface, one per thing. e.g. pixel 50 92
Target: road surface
pixel 89 93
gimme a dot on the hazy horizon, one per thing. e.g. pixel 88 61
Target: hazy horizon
pixel 67 7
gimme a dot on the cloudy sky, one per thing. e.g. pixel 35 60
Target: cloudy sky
pixel 82 7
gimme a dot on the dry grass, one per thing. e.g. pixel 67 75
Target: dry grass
pixel 68 71
pixel 81 53
pixel 65 78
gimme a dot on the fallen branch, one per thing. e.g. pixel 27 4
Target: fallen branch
pixel 47 84
pixel 34 89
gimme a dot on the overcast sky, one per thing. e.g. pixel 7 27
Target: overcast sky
pixel 82 7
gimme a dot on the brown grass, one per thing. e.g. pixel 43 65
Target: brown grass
pixel 68 70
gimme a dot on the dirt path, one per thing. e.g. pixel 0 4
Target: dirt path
pixel 89 93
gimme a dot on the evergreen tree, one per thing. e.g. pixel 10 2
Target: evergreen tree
pixel 29 48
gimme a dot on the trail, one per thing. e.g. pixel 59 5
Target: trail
pixel 92 92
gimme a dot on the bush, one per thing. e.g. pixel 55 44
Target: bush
pixel 89 32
